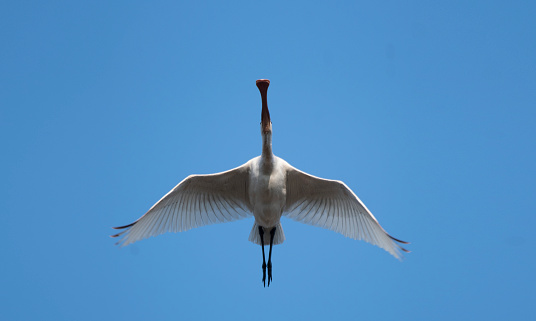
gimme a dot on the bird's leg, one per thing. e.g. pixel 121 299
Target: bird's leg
pixel 272 234
pixel 261 233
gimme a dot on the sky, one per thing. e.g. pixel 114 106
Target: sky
pixel 425 109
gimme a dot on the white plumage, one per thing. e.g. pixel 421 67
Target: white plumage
pixel 266 187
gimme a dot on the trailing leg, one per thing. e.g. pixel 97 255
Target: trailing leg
pixel 261 233
pixel 272 233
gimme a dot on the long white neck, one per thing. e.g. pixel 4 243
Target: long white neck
pixel 267 146
pixel 267 156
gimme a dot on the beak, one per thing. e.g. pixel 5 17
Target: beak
pixel 266 123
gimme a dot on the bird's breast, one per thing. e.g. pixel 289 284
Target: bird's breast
pixel 267 191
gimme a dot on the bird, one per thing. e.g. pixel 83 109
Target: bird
pixel 266 187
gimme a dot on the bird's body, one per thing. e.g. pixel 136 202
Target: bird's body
pixel 267 187
pixel 267 190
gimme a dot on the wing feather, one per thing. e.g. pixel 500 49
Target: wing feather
pixel 331 204
pixel 330 208
pixel 196 201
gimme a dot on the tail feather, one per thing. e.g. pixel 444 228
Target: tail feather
pixel 255 237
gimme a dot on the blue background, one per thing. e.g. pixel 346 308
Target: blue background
pixel 426 110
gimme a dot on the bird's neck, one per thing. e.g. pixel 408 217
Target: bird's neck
pixel 267 153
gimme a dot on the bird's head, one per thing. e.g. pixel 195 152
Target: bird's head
pixel 266 123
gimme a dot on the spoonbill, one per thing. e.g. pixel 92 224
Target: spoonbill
pixel 267 187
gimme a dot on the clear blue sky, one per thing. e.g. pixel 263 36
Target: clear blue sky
pixel 426 110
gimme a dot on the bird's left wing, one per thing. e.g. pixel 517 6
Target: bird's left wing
pixel 196 201
pixel 331 204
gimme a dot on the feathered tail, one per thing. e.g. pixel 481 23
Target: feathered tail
pixel 255 237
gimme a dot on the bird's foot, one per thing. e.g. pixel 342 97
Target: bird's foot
pixel 269 273
pixel 264 275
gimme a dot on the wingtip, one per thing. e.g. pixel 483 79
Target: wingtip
pixel 123 227
pixel 122 232
pixel 120 242
pixel 399 255
pixel 399 241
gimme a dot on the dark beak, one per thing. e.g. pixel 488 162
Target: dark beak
pixel 263 84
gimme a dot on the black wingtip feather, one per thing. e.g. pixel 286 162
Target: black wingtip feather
pixel 125 226
pixel 399 241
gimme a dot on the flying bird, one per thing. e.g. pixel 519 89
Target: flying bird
pixel 266 187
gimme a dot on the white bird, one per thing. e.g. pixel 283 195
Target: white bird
pixel 267 187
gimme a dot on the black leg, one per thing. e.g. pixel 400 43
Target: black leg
pixel 272 233
pixel 261 233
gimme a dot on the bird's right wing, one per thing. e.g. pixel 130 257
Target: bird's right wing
pixel 331 204
pixel 196 201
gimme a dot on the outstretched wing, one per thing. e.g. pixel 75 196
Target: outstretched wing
pixel 196 201
pixel 331 204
